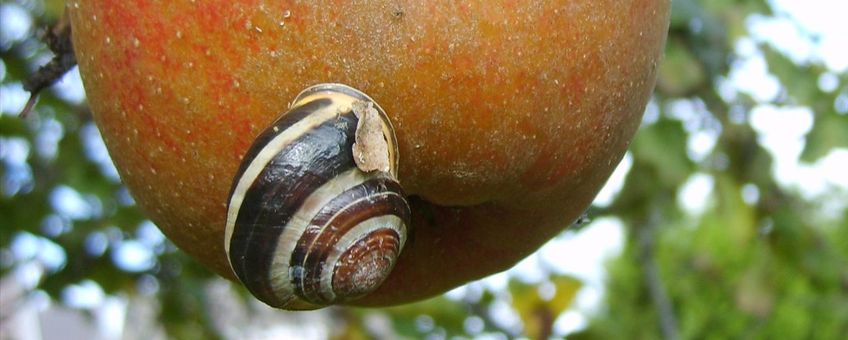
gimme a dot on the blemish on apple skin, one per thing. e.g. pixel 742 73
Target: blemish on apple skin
pixel 398 13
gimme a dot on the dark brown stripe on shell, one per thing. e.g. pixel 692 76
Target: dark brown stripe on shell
pixel 282 123
pixel 376 197
pixel 281 188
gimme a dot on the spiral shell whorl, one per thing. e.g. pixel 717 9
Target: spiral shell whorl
pixel 306 227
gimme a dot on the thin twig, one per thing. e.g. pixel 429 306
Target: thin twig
pixel 656 288
pixel 58 39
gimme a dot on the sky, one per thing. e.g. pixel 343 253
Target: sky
pixel 580 254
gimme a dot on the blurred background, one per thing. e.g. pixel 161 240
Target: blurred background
pixel 728 217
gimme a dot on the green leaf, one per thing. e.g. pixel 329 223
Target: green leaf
pixel 537 312
pixel 662 148
pixel 680 72
pixel 446 314
pixel 830 131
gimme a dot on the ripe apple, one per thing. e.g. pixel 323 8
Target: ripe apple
pixel 510 115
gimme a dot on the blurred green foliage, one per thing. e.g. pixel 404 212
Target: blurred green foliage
pixel 772 267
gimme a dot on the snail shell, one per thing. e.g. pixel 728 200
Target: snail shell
pixel 306 225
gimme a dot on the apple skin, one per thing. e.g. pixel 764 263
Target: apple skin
pixel 509 116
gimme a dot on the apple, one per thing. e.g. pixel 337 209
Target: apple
pixel 509 115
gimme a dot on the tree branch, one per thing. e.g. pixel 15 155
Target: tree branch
pixel 651 275
pixel 58 39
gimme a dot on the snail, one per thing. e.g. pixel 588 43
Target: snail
pixel 316 215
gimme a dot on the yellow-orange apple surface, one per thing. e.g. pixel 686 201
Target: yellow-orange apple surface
pixel 510 115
